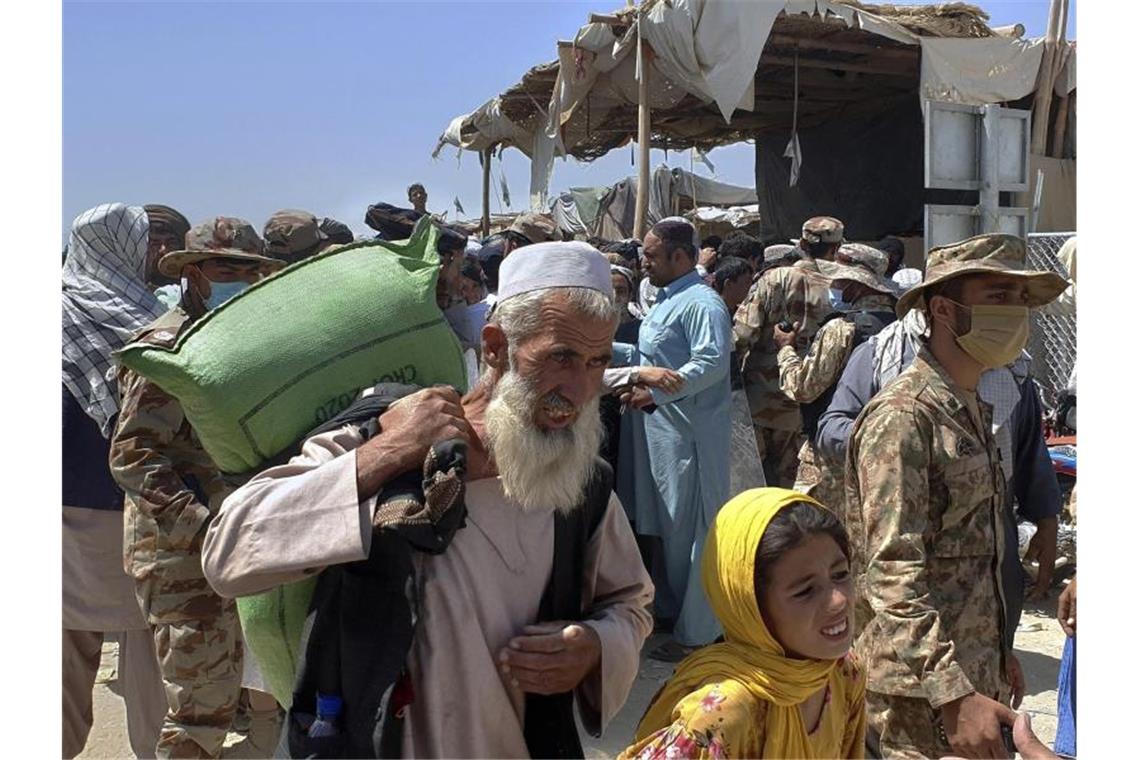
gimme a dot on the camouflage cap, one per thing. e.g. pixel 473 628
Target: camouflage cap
pixel 537 228
pixel 822 229
pixel 865 256
pixel 223 237
pixel 291 232
pixel 983 254
pixel 780 252
pixel 863 275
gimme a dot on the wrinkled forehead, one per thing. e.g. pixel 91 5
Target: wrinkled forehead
pixel 561 323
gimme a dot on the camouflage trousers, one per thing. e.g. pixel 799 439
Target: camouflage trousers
pixel 820 481
pixel 197 636
pixel 778 452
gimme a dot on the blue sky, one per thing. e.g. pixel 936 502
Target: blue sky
pixel 242 108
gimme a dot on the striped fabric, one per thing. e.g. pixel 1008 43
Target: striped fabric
pixel 105 302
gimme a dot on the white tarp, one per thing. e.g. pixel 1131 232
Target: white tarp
pixel 978 71
pixel 711 47
pixel 707 48
pixel 482 128
pixel 737 216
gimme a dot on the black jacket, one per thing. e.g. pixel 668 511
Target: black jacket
pixel 363 618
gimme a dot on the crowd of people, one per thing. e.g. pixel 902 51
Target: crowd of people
pixel 492 559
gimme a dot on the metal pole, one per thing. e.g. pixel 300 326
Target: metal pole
pixel 641 208
pixel 988 193
pixel 1037 200
pixel 486 156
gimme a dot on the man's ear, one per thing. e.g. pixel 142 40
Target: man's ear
pixel 940 309
pixel 495 353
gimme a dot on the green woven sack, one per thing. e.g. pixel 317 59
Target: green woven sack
pixel 271 627
pixel 289 353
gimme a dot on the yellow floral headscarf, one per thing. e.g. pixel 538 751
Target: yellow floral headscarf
pixel 749 654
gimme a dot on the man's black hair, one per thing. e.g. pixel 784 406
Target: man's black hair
pixel 337 232
pixel 891 245
pixel 676 235
pixel 818 250
pixel 450 240
pixel 471 270
pixel 627 249
pixel 491 271
pixel 743 247
pixel 895 251
pixel 729 268
pixel 712 241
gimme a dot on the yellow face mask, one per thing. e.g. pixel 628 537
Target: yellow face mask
pixel 997 335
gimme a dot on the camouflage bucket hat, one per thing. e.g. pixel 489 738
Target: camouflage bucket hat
pixel 864 276
pixel 983 254
pixel 821 229
pixel 292 231
pixel 868 257
pixel 780 252
pixel 223 237
pixel 536 228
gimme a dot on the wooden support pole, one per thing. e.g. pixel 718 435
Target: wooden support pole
pixel 1060 122
pixel 1054 35
pixel 806 43
pixel 908 70
pixel 641 207
pixel 487 191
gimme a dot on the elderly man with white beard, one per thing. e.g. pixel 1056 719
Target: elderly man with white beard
pixel 532 431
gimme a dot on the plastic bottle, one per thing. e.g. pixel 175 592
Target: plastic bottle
pixel 328 710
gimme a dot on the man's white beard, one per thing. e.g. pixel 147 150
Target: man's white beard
pixel 540 469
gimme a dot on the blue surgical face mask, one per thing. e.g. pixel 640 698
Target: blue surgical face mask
pixel 835 296
pixel 220 292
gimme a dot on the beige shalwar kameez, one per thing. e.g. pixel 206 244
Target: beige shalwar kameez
pixel 294 519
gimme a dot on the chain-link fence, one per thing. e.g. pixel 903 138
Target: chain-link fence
pixel 1053 342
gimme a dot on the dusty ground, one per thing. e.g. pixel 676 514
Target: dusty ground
pixel 1039 642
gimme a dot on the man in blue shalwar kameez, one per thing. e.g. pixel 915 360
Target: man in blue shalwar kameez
pixel 681 447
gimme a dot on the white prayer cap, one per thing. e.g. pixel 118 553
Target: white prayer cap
pixel 907 278
pixel 569 264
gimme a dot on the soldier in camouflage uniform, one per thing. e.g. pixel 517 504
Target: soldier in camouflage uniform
pixel 797 293
pixel 294 235
pixel 925 494
pixel 858 278
pixel 172 490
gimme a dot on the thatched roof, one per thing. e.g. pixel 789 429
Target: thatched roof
pixel 947 20
pixel 842 70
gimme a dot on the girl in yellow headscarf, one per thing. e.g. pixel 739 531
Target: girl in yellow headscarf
pixel 783 684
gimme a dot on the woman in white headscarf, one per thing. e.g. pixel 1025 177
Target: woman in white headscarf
pixel 105 301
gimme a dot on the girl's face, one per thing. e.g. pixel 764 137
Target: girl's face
pixel 809 602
